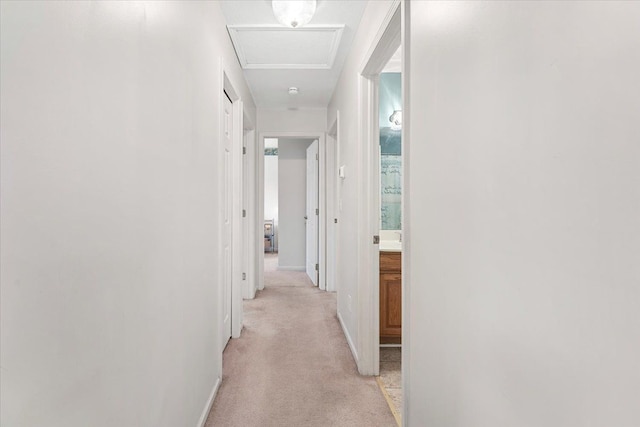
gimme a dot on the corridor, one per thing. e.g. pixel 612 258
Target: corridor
pixel 292 365
pixel 477 208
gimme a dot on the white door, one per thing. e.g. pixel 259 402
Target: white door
pixel 227 234
pixel 312 212
pixel 245 221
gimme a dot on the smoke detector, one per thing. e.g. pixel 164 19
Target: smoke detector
pixel 293 90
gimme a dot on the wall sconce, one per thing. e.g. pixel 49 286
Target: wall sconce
pixel 396 120
pixel 293 13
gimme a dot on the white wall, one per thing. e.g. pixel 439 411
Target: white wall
pixel 275 120
pixel 110 128
pixel 523 214
pixel 345 100
pixel 292 202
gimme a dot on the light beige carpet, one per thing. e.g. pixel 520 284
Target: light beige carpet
pixel 292 365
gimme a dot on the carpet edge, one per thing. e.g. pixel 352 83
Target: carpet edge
pixel 209 404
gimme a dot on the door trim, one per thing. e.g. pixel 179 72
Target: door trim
pixel 312 209
pixel 236 249
pixel 250 203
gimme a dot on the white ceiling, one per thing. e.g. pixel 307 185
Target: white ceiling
pixel 300 48
pixel 276 58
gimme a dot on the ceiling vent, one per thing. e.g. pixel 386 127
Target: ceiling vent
pixel 264 47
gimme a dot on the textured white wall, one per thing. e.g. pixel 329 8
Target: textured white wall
pixel 345 99
pixel 292 202
pixel 274 120
pixel 524 214
pixel 109 272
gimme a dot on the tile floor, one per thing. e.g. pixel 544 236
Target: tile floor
pixel 391 374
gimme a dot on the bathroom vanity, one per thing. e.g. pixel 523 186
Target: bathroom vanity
pixel 390 121
pixel 390 295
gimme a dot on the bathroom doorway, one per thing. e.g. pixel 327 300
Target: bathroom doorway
pixel 390 169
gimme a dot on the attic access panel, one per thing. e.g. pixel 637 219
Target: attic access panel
pixel 276 47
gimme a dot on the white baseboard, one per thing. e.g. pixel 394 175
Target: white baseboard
pixel 292 268
pixel 252 293
pixel 207 408
pixel 349 340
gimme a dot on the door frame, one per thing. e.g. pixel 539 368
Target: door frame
pixel 236 233
pixel 322 191
pixel 312 217
pixel 332 200
pixel 386 42
pixel 249 207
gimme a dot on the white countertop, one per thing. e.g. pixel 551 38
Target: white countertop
pixel 390 246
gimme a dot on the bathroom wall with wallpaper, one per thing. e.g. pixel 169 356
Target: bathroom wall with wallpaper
pixel 390 96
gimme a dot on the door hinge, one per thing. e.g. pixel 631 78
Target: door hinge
pixel 317 211
pixel 376 240
pixel 317 267
pixel 244 150
pixel 317 156
pixel 244 276
pixel 244 213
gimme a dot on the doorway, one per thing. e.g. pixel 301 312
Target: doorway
pixel 384 47
pixel 390 190
pixel 227 215
pixel 230 200
pixel 380 263
pixel 293 203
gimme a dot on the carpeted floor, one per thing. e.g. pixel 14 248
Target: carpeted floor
pixel 292 365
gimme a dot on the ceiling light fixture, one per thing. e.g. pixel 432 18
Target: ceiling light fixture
pixel 396 120
pixel 294 13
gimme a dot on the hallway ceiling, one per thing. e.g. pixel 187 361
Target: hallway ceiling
pixel 275 57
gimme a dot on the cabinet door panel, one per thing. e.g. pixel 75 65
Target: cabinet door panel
pixel 390 304
pixel 390 261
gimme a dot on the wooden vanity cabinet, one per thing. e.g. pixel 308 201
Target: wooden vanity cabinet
pixel 390 297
